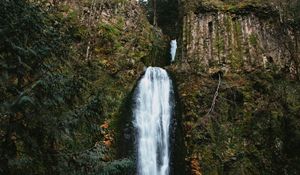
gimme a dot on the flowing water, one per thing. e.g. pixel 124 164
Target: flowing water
pixel 173 49
pixel 152 113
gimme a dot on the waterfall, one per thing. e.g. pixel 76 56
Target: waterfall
pixel 152 115
pixel 173 49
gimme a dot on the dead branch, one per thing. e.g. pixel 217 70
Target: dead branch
pixel 215 97
pixel 90 22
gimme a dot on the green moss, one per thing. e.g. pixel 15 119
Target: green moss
pixel 220 44
pixel 235 59
pixel 109 31
pixel 231 8
pixel 253 39
pixel 238 28
pixel 245 133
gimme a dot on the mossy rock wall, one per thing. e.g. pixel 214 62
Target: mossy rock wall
pixel 236 37
pixel 251 127
pixel 249 124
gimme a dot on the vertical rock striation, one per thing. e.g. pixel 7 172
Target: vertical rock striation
pixel 237 38
pixel 235 74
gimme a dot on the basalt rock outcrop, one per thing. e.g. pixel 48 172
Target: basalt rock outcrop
pixel 236 74
pixel 240 37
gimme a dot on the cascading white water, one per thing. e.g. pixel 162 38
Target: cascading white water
pixel 173 49
pixel 152 119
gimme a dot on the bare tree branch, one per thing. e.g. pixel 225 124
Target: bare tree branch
pixel 91 15
pixel 215 97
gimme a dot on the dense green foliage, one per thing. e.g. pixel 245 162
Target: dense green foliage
pixel 52 101
pixel 65 72
pixel 253 128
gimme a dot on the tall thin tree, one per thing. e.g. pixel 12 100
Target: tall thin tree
pixel 154 5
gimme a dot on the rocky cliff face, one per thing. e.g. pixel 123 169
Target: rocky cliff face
pixel 236 75
pixel 237 38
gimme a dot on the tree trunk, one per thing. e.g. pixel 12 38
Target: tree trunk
pixel 154 13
